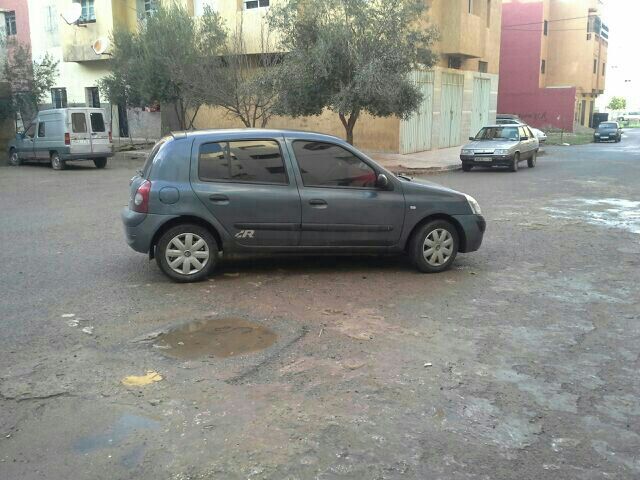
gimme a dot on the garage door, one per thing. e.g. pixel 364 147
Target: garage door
pixel 415 133
pixel 480 109
pixel 451 109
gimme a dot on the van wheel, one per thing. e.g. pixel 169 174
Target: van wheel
pixel 434 246
pixel 56 163
pixel 14 159
pixel 187 253
pixel 100 162
pixel 466 168
pixel 514 163
pixel 531 162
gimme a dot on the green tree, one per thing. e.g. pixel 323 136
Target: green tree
pixel 170 59
pixel 351 56
pixel 29 81
pixel 617 103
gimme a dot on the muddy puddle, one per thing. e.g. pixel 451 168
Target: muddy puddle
pixel 218 337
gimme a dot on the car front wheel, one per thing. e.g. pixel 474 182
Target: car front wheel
pixel 14 159
pixel 434 246
pixel 187 253
pixel 466 168
pixel 514 163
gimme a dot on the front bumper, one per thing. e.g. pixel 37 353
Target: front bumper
pixel 487 161
pixel 139 228
pixel 473 227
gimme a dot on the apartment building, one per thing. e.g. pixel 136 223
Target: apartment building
pixel 14 26
pixel 553 61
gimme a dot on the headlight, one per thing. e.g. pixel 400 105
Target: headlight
pixel 473 204
pixel 501 152
pixel 467 152
pixel 597 134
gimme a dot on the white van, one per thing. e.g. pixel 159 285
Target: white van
pixel 64 134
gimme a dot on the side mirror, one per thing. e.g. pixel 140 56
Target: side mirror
pixel 472 138
pixel 382 182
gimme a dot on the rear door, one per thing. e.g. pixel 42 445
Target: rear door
pixel 100 142
pixel 79 133
pixel 246 183
pixel 341 206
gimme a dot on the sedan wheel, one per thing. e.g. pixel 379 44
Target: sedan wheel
pixel 437 247
pixel 434 246
pixel 187 253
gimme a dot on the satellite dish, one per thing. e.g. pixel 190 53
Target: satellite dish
pixel 72 14
pixel 100 46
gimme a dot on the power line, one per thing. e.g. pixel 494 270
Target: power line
pixel 548 21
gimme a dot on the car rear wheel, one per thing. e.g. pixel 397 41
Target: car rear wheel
pixel 187 253
pixel 466 168
pixel 56 163
pixel 434 246
pixel 514 163
pixel 14 159
pixel 100 162
pixel 531 162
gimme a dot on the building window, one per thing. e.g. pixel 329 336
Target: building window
pixel 10 23
pixel 249 4
pixel 88 12
pixel 604 67
pixel 483 67
pixel 470 6
pixel 488 13
pixel 454 62
pixel 150 7
pixel 545 28
pixel 50 19
pixel 92 97
pixel 59 97
pixel 595 65
pixel 543 66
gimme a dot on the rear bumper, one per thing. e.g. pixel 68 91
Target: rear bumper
pixel 85 156
pixel 473 227
pixel 488 161
pixel 139 228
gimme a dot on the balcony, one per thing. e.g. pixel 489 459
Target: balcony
pixel 462 33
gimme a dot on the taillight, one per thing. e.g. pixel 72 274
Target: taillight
pixel 110 137
pixel 67 139
pixel 141 198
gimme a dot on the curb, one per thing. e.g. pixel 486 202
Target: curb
pixel 420 170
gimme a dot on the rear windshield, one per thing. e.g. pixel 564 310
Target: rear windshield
pixel 78 123
pixel 97 122
pixel 498 133
pixel 609 125
pixel 152 155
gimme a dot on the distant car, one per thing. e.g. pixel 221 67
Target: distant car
pixel 608 131
pixel 501 146
pixel 266 191
pixel 513 120
pixel 629 116
pixel 58 135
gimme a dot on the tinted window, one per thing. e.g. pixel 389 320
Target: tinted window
pixel 497 133
pixel 41 129
pixel 31 131
pixel 152 156
pixel 97 122
pixel 78 123
pixel 253 161
pixel 328 165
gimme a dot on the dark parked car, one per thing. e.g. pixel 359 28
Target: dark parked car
pixel 608 131
pixel 235 191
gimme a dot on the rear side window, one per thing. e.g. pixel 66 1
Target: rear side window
pixel 251 161
pixel 328 165
pixel 97 122
pixel 78 123
pixel 152 155
pixel 41 129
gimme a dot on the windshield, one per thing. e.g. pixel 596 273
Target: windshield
pixel 498 133
pixel 609 125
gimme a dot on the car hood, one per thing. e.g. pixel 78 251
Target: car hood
pixel 429 197
pixel 490 144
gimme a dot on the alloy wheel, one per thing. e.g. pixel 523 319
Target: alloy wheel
pixel 187 253
pixel 438 247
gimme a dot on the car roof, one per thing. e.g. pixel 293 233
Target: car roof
pixel 506 125
pixel 253 132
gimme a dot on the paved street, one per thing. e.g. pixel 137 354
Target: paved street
pixel 520 362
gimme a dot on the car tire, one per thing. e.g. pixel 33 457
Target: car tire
pixel 100 162
pixel 515 162
pixel 171 257
pixel 531 162
pixel 433 237
pixel 57 163
pixel 466 168
pixel 14 159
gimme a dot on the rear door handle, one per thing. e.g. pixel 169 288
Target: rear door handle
pixel 218 198
pixel 318 203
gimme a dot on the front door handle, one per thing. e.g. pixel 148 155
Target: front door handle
pixel 318 203
pixel 218 198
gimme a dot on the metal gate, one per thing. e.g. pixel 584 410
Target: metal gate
pixel 480 109
pixel 415 133
pixel 451 109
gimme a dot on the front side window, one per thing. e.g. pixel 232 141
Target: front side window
pixel 78 123
pixel 41 129
pixel 88 10
pixel 10 23
pixel 328 165
pixel 31 131
pixel 251 161
pixel 522 132
pixel 249 4
pixel 97 122
pixel 497 133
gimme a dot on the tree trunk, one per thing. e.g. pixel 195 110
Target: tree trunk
pixel 349 124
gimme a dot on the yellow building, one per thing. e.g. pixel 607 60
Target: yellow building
pixel 460 93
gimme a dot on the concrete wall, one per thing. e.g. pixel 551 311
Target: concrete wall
pixel 144 124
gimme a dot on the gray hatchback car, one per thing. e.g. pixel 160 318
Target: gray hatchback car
pixel 256 191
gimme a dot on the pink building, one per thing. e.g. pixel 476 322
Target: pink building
pixel 16 20
pixel 552 61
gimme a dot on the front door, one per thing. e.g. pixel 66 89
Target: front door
pixel 248 187
pixel 341 205
pixel 80 136
pixel 25 147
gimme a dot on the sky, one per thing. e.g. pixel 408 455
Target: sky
pixel 622 17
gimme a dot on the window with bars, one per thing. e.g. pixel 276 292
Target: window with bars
pixel 10 23
pixel 249 4
pixel 543 66
pixel 59 97
pixel 50 19
pixel 483 67
pixel 150 7
pixel 88 12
